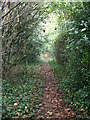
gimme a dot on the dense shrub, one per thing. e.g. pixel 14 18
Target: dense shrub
pixel 20 39
pixel 73 55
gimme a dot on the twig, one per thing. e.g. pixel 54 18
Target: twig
pixel 11 10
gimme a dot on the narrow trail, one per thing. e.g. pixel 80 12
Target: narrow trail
pixel 52 106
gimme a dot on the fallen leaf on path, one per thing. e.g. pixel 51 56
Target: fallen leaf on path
pixel 61 114
pixel 67 109
pixel 60 100
pixel 52 101
pixel 72 113
pixel 57 114
pixel 55 100
pixel 60 107
pixel 52 92
pixel 40 105
pixel 50 113
pixel 42 108
pixel 55 106
pixel 53 75
pixel 47 96
pixel 49 100
pixel 46 88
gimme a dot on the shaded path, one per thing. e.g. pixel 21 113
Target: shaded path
pixel 52 106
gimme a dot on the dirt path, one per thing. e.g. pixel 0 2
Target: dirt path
pixel 52 106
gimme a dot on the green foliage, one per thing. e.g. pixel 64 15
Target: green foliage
pixel 25 94
pixel 23 39
pixel 73 94
pixel 73 54
pixel 59 49
pixel 20 39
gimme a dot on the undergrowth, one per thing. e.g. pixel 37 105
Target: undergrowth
pixel 21 98
pixel 74 96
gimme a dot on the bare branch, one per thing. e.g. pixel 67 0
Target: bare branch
pixel 11 10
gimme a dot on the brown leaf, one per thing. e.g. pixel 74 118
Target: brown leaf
pixel 56 100
pixel 18 114
pixel 40 105
pixel 60 100
pixel 50 113
pixel 72 113
pixel 26 116
pixel 81 110
pixel 47 96
pixel 38 80
pixel 67 109
pixel 57 114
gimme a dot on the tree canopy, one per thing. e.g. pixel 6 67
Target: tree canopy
pixel 60 29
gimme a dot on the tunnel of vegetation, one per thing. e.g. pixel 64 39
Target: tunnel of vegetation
pixel 61 30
